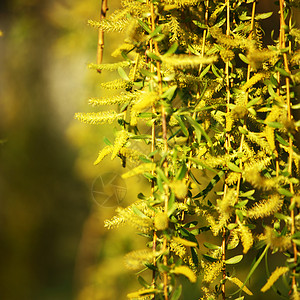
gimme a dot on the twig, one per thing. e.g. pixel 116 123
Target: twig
pixel 100 45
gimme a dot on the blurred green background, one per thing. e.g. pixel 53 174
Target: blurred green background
pixel 51 230
pixel 52 241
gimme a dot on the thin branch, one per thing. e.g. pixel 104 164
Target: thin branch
pixel 100 45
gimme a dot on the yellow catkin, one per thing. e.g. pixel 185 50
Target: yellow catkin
pixel 184 242
pixel 281 243
pixel 246 237
pixel 239 283
pixel 266 207
pixel 180 189
pixel 178 249
pixel 104 152
pixel 136 259
pixel 121 139
pixel 103 117
pixel 186 271
pixel 142 294
pixel 279 271
pixel 225 204
pixel 212 271
pixel 146 167
pixel 161 221
pixel 253 80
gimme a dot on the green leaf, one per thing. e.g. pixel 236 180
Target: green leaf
pixel 241 204
pixel 296 106
pixel 233 167
pixel 145 26
pixel 209 258
pixel 253 102
pixel 239 214
pixel 171 204
pixel 123 74
pixel 147 73
pixel 232 226
pixel 211 246
pixel 211 185
pixel 172 49
pixel 107 141
pixel 161 173
pixel 244 58
pixel 247 194
pixel 281 140
pixel 254 266
pixel 285 192
pixel 138 212
pixel 297 242
pixel 216 71
pixel 143 282
pixel 156 31
pixel 274 124
pixel 204 72
pixel 199 131
pixel 182 126
pixel 282 72
pixel 153 56
pixel 201 25
pixel 263 16
pixel 169 93
pixel 177 293
pixel 234 260
pixel 182 171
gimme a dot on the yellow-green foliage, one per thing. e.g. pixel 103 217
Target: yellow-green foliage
pixel 213 108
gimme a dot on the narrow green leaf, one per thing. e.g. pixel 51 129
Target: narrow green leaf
pixel 182 171
pixel 234 260
pixel 216 71
pixel 156 31
pixel 177 293
pixel 233 167
pixel 199 131
pixel 209 258
pixel 145 26
pixel 244 58
pixel 171 204
pixel 241 204
pixel 153 56
pixel 281 140
pixel 147 73
pixel 274 124
pixel 169 93
pixel 172 49
pixel 204 72
pixel 253 102
pixel 254 266
pixel 247 194
pixel 263 16
pixel 285 192
pixel 282 72
pixel 211 246
pixel 123 74
pixel 201 25
pixel 138 212
pixel 182 126
pixel 107 141
pixel 143 282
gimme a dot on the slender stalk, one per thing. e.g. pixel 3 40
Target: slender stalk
pixel 100 45
pixel 289 116
pixel 227 146
pixel 164 134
